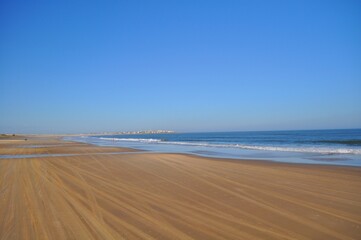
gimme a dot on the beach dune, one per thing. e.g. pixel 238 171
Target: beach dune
pixel 170 196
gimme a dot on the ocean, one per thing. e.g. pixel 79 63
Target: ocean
pixel 335 147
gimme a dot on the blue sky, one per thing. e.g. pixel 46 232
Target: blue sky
pixel 89 66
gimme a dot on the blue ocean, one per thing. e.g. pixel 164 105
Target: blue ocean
pixel 336 147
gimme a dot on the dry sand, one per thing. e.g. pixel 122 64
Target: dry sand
pixel 170 196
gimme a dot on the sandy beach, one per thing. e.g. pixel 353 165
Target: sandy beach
pixel 143 195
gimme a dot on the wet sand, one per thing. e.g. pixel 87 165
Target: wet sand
pixel 170 196
pixel 51 145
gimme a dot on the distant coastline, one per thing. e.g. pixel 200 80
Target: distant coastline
pixel 92 134
pixel 131 132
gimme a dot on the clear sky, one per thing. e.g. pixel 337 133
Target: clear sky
pixel 88 66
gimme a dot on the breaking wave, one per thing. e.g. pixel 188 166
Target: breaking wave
pixel 303 149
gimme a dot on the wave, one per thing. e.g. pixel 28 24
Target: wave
pixel 304 149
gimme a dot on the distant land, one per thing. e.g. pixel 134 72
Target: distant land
pixel 116 133
pixel 93 134
pixel 133 132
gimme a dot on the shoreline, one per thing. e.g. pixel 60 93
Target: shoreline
pixel 308 154
pixel 144 195
pixel 122 150
pixel 318 162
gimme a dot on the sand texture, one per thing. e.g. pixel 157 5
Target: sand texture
pixel 170 196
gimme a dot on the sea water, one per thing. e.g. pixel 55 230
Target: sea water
pixel 337 147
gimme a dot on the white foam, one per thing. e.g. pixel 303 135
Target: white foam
pixel 303 149
pixel 276 148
